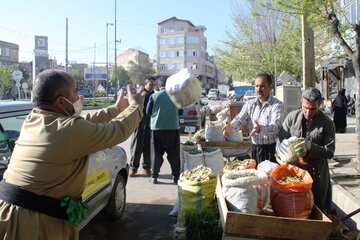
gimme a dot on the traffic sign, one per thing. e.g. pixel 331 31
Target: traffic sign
pixel 24 85
pixel 95 73
pixel 17 75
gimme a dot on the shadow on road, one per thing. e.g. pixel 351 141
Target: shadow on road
pixel 140 222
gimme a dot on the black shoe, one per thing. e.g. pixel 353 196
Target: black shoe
pixel 175 180
pixel 155 181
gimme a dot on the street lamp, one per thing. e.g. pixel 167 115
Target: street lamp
pixel 107 58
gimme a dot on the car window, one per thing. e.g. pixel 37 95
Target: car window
pixel 12 123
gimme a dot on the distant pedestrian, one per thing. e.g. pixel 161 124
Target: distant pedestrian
pixel 140 139
pixel 164 125
pixel 339 107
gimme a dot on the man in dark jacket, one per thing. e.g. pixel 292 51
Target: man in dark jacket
pixel 140 139
pixel 319 133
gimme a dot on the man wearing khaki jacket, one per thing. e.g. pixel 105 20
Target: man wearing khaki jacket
pixel 50 159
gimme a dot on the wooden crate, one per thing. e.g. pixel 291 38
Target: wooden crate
pixel 237 225
pixel 246 144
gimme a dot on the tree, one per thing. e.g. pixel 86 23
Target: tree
pixel 78 76
pixel 139 72
pixel 260 41
pixel 325 15
pixel 122 76
pixel 6 81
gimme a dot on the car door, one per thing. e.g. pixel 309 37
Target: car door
pixel 98 182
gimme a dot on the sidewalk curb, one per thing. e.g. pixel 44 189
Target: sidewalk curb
pixel 344 203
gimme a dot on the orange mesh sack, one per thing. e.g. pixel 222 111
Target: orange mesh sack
pixel 293 199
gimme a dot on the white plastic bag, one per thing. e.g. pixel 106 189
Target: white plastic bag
pixel 246 194
pixel 193 160
pixel 235 137
pixel 183 89
pixel 185 148
pixel 213 132
pixel 215 161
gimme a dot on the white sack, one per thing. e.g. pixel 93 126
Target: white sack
pixel 246 194
pixel 183 89
pixel 185 148
pixel 213 132
pixel 215 161
pixel 193 160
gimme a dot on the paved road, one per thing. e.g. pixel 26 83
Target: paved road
pixel 146 212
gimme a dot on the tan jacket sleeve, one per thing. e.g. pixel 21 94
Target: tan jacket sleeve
pixel 93 137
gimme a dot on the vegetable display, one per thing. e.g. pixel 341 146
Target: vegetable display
pixel 189 143
pixel 240 164
pixel 241 175
pixel 290 179
pixel 200 173
pixel 290 150
pixel 199 136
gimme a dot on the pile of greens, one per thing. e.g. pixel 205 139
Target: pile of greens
pixel 241 175
pixel 290 179
pixel 200 173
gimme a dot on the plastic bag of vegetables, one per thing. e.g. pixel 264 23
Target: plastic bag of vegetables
pixel 290 150
pixel 197 190
pixel 213 132
pixel 183 89
pixel 237 165
pixel 246 191
pixel 290 192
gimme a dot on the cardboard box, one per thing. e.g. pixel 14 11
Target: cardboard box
pixel 237 225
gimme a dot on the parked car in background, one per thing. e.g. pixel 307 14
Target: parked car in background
pixel 250 94
pixel 192 117
pixel 213 94
pixel 86 92
pixel 107 175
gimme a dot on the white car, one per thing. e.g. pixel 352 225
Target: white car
pixel 250 94
pixel 108 169
pixel 213 94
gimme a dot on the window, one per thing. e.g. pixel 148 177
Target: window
pixel 181 28
pixel 172 28
pixel 162 41
pixel 192 40
pixel 170 40
pixel 162 30
pixel 192 53
pixel 350 11
pixel 171 66
pixel 0 51
pixel 179 40
pixel 179 66
pixel 7 52
pixel 162 67
pixel 162 54
pixel 170 53
pixel 180 53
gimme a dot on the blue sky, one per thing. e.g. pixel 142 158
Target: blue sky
pixel 137 22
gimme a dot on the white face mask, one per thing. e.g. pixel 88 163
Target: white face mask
pixel 77 107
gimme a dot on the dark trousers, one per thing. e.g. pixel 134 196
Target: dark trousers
pixel 263 152
pixel 140 144
pixel 166 141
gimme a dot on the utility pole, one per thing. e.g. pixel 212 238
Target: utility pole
pixel 115 67
pixel 308 54
pixel 66 46
pixel 107 58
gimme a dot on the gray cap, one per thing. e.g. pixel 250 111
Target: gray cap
pixel 312 94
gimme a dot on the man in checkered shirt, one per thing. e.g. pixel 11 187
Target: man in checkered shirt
pixel 264 115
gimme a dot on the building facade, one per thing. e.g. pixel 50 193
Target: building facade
pixel 132 55
pixel 181 44
pixel 9 53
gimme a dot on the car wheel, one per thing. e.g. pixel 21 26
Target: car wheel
pixel 116 205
